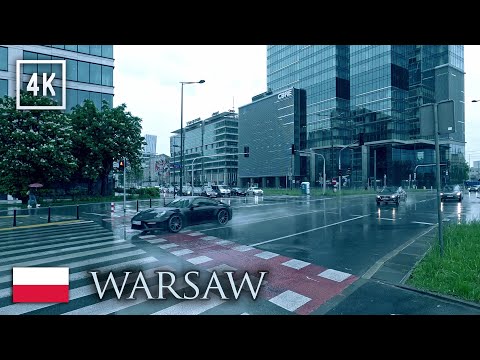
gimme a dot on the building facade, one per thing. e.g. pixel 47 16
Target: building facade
pixel 374 90
pixel 151 146
pixel 210 150
pixel 89 70
pixel 268 129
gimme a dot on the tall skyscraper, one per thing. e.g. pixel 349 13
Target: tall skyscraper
pixel 89 70
pixel 375 90
pixel 151 147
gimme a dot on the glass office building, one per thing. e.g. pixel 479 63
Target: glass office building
pixel 217 137
pixel 89 70
pixel 268 127
pixel 375 90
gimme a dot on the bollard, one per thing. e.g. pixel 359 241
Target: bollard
pixel 15 217
pixel 112 207
pixel 137 205
pixel 48 221
pixel 150 203
pixel 78 212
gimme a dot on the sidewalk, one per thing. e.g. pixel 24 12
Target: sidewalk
pixel 381 290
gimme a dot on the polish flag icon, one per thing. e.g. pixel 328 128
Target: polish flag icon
pixel 40 284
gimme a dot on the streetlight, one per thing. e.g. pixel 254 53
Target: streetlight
pixel 182 140
pixel 174 146
pixel 340 166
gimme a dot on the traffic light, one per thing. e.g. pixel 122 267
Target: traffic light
pixel 360 139
pixel 349 171
pixel 293 149
pixel 246 151
pixel 121 165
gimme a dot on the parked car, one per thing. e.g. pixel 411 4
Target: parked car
pixel 387 195
pixel 254 191
pixel 187 191
pixel 236 191
pixel 222 190
pixel 474 188
pixel 182 212
pixel 450 192
pixel 209 192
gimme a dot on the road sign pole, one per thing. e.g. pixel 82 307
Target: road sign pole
pixel 437 161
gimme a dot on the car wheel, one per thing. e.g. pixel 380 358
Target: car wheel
pixel 222 217
pixel 175 223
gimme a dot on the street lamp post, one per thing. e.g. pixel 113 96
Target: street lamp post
pixel 174 152
pixel 340 165
pixel 182 140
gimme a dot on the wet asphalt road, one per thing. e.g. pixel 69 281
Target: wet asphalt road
pixel 315 249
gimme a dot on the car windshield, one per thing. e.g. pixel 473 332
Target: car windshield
pixel 389 190
pixel 450 188
pixel 179 203
pixel 222 187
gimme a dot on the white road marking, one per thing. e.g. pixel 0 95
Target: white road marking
pixel 290 300
pixel 334 275
pixel 421 222
pixel 223 242
pixel 382 218
pixel 95 214
pixel 191 307
pixel 266 255
pixel 222 268
pixel 195 234
pixel 243 248
pixel 156 241
pixel 147 236
pixel 167 246
pixel 307 231
pixel 296 264
pixel 208 238
pixel 181 252
pixel 199 260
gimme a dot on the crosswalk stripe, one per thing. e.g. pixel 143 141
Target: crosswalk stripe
pixel 47 230
pixel 57 251
pixel 191 307
pixel 91 261
pixel 50 239
pixel 85 274
pixel 52 246
pixel 66 257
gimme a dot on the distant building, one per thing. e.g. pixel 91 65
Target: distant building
pixel 151 147
pixel 268 128
pixel 156 170
pixel 476 164
pixel 217 137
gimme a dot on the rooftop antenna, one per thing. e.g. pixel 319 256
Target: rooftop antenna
pixel 233 108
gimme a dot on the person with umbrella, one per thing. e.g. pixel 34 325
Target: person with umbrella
pixel 32 199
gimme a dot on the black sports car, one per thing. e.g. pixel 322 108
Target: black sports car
pixel 182 212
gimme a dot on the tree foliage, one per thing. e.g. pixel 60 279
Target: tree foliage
pixel 104 136
pixel 35 145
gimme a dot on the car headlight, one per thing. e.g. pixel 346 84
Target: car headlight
pixel 159 215
pixel 441 194
pixel 458 193
pixel 378 196
pixel 394 196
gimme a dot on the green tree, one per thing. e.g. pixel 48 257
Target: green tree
pixel 35 145
pixel 458 172
pixel 102 137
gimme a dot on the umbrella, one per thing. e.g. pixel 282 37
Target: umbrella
pixel 35 185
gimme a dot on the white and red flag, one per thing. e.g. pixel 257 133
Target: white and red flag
pixel 40 284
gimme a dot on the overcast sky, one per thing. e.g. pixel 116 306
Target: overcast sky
pixel 147 77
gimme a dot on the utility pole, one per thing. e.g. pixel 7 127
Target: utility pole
pixel 124 193
pixel 375 169
pixel 437 160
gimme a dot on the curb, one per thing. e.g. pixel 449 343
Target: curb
pixel 439 296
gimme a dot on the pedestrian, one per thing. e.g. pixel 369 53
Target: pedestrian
pixel 32 200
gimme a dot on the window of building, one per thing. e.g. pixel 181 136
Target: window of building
pixel 97 99
pixel 108 98
pixel 3 88
pixel 72 70
pixel 107 51
pixel 107 75
pixel 84 49
pixel 44 68
pixel 95 74
pixel 72 99
pixel 71 48
pixel 83 71
pixel 57 68
pixel 82 96
pixel 96 50
pixel 29 68
pixel 3 58
pixel 59 46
